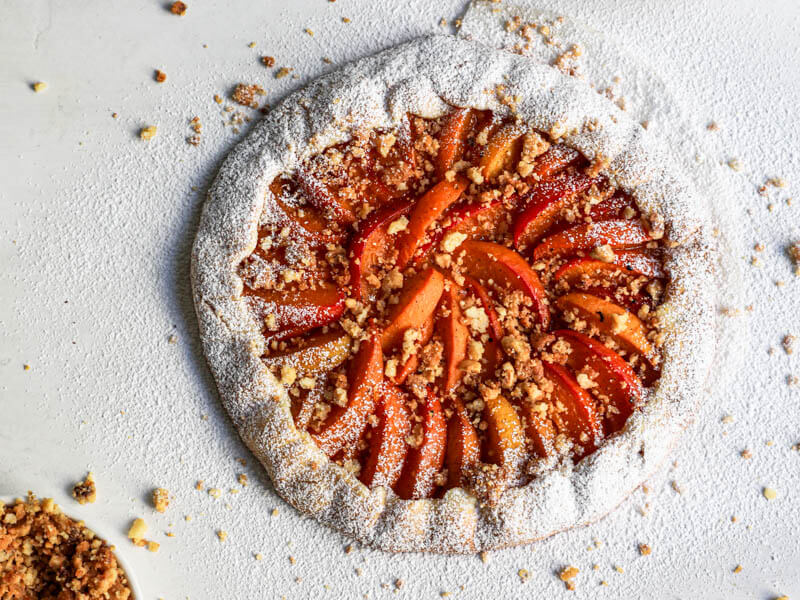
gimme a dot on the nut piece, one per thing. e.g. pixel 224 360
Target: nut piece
pixel 85 491
pixel 178 8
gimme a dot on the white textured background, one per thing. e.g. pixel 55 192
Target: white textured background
pixel 95 226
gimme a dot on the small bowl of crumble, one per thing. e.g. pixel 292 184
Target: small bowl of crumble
pixel 44 553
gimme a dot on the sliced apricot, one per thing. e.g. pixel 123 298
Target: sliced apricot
pixel 612 320
pixel 370 244
pixel 557 158
pixel 387 446
pixel 425 461
pixel 321 197
pixel 455 336
pixel 572 409
pixel 545 205
pixel 504 433
pixel 426 213
pixel 463 445
pixel 416 305
pixel 629 262
pixel 500 150
pixel 345 425
pixel 321 353
pixel 615 207
pixel 474 219
pixel 492 353
pixel 617 234
pixel 615 379
pixel 425 335
pixel 452 138
pixel 487 261
pixel 539 429
pixel 296 311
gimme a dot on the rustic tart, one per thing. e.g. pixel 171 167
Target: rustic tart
pixel 454 300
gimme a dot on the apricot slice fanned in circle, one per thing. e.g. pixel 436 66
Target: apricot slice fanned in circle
pixel 504 434
pixel 463 445
pixel 370 244
pixel 321 353
pixel 417 303
pixel 345 425
pixel 425 335
pixel 296 311
pixel 545 205
pixel 323 199
pixel 473 219
pixel 487 261
pixel 626 262
pixel 500 150
pixel 455 336
pixel 387 447
pixel 539 429
pixel 617 234
pixel 573 410
pixel 453 136
pixel 555 159
pixel 612 320
pixel 423 463
pixel 426 213
pixel 614 379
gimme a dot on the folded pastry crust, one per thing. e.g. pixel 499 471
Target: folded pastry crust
pixel 427 77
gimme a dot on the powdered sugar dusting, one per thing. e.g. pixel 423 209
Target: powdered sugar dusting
pixel 375 93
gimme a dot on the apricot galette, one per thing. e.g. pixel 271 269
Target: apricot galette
pixel 454 300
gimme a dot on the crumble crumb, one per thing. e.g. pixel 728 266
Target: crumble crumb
pixel 794 254
pixel 604 253
pixel 274 512
pixel 39 87
pixel 397 225
pixel 484 557
pixel 746 454
pixel 727 419
pixel 269 61
pixel 222 535
pixel 178 8
pixel 247 94
pixel 172 339
pixel 148 133
pixel 160 499
pixel 160 76
pixel 153 546
pixel 258 556
pixel 568 573
pixel 770 493
pixel 524 575
pixel 282 72
pixel 85 491
pixel 215 492
pixel 737 569
pixel 788 343
pixel 243 481
pixel 644 549
pixel 735 164
pixel 137 530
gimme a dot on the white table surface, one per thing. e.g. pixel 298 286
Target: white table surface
pixel 95 226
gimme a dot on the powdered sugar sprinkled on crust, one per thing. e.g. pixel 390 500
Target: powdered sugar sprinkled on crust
pixel 376 92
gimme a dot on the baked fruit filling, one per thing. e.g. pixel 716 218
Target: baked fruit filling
pixel 457 302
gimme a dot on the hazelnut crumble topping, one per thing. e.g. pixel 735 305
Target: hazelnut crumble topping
pixel 44 554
